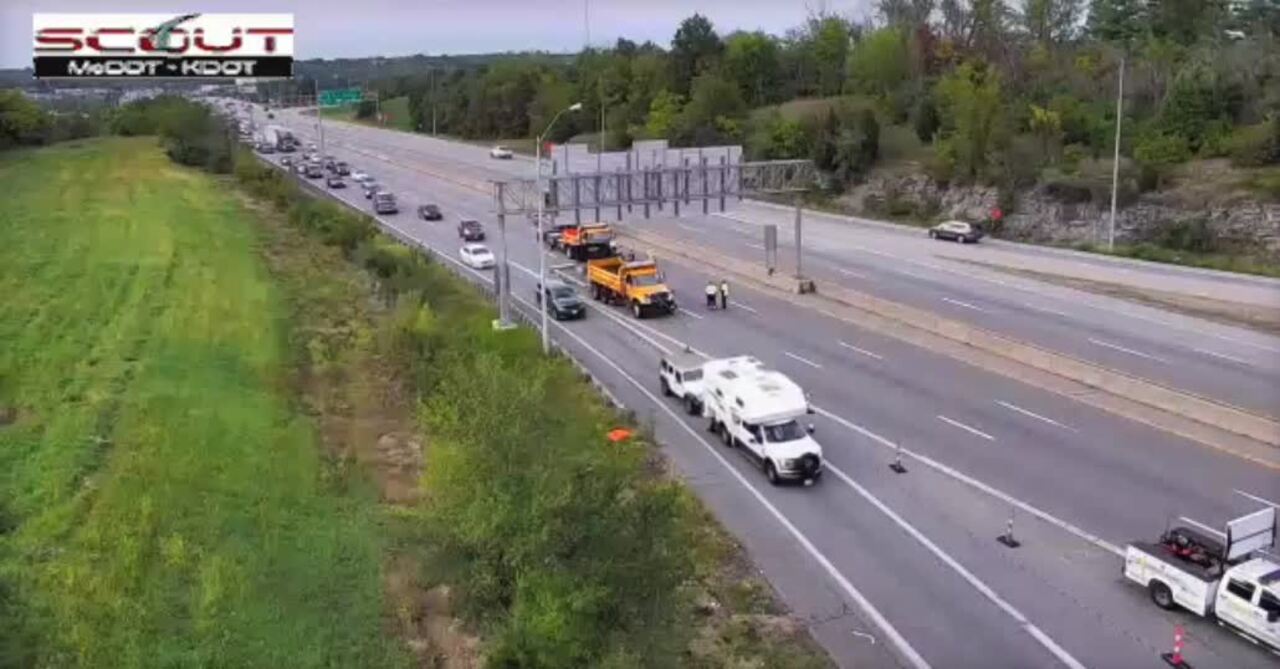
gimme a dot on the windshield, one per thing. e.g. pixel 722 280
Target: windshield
pixel 780 432
pixel 646 280
pixel 692 375
pixel 562 293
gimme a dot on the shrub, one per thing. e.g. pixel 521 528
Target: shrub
pixel 1157 153
pixel 1195 236
pixel 1256 145
pixel 924 119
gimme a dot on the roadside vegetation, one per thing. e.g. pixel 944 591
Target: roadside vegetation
pixel 240 427
pixel 163 499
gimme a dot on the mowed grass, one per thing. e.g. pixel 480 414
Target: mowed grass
pixel 162 502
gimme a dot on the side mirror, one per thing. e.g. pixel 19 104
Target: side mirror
pixel 810 411
pixel 810 428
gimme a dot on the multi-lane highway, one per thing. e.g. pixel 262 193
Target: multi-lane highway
pixel 910 560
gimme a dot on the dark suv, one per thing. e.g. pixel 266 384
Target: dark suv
pixel 430 212
pixel 470 230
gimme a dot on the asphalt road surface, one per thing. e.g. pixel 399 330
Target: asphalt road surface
pixel 887 569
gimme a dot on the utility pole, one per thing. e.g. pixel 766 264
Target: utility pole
pixel 1115 163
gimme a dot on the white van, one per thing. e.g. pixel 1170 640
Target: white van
pixel 757 409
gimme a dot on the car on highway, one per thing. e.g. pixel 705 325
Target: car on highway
pixel 563 302
pixel 360 177
pixel 335 181
pixel 370 187
pixel 501 153
pixel 286 161
pixel 384 202
pixel 266 148
pixel 957 231
pixel 680 376
pixel 470 230
pixel 430 212
pixel 342 168
pixel 311 146
pixel 314 171
pixel 271 115
pixel 477 256
pixel 551 235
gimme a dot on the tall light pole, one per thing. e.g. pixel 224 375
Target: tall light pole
pixel 1115 163
pixel 542 253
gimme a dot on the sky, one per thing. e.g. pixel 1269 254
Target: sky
pixel 355 28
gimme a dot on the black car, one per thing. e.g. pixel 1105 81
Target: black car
pixel 563 302
pixel 335 181
pixel 430 212
pixel 342 168
pixel 470 230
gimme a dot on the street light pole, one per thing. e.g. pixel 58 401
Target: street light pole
pixel 542 253
pixel 1115 163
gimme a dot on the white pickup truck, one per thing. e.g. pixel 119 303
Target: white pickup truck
pixel 755 409
pixel 1231 582
pixel 680 376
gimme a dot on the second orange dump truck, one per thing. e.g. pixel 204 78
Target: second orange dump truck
pixel 637 284
pixel 590 240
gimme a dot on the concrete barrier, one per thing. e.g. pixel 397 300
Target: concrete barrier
pixel 1176 402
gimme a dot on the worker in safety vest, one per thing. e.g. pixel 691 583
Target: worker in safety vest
pixel 711 294
pixel 724 294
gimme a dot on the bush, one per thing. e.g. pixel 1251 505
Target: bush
pixel 924 119
pixel 1157 153
pixel 1256 145
pixel 1195 236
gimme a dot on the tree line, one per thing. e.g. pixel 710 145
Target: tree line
pixel 999 90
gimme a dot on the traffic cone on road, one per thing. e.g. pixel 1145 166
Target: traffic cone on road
pixel 1175 658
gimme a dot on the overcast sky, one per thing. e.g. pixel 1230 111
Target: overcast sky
pixel 352 28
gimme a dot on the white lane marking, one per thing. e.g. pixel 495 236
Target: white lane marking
pixel 1046 310
pixel 1257 498
pixel 1203 526
pixel 690 314
pixel 1140 354
pixel 847 272
pixel 1032 414
pixel 966 305
pixel 899 642
pixel 739 305
pixel 1223 356
pixel 863 351
pixel 966 428
pixel 808 362
pixel 690 228
pixel 754 246
pixel 731 217
pixel 1029 627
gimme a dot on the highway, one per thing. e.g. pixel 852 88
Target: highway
pixel 909 559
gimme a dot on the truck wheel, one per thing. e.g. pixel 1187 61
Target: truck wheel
pixel 1161 595
pixel 690 405
pixel 635 309
pixel 666 387
pixel 725 436
pixel 711 424
pixel 771 473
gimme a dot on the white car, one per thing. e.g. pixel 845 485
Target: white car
pixel 501 153
pixel 360 177
pixel 477 256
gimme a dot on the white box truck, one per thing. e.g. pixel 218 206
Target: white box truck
pixel 757 410
pixel 1233 582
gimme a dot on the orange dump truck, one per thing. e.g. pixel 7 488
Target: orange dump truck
pixel 586 241
pixel 637 284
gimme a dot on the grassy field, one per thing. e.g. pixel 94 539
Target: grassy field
pixel 164 498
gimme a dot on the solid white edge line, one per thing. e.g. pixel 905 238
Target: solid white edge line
pixel 739 305
pixel 1036 633
pixel 806 361
pixel 1032 414
pixel 966 428
pixel 1223 356
pixel 863 351
pixel 966 305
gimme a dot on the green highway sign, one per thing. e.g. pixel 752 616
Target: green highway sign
pixel 340 96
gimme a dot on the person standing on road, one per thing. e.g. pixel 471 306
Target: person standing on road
pixel 711 294
pixel 724 294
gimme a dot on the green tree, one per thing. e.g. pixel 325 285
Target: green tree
pixel 906 15
pixel 774 137
pixel 1186 21
pixel 831 37
pixel 924 119
pixel 857 146
pixel 713 114
pixel 1117 21
pixel 695 48
pixel 366 109
pixel 971 100
pixel 752 60
pixel 1050 21
pixel 879 63
pixel 1046 125
pixel 664 112
pixel 21 121
pixel 553 95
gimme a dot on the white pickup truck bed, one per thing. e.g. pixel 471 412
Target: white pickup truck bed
pixel 1193 587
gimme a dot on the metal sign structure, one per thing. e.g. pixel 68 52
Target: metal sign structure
pixel 649 190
